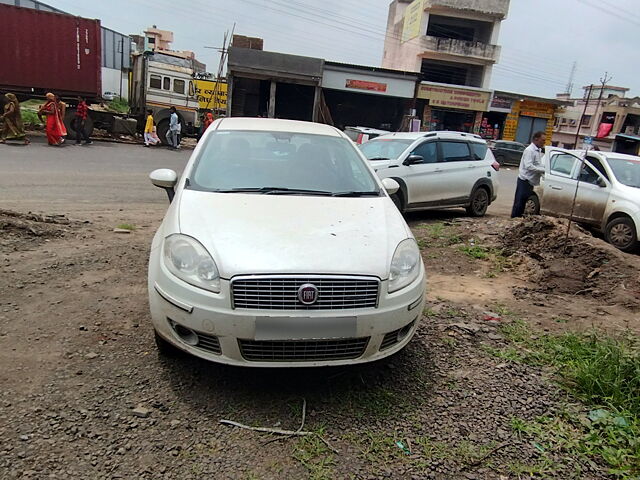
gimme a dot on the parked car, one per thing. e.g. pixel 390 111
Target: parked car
pixel 361 135
pixel 507 153
pixel 608 192
pixel 281 247
pixel 436 170
pixel 109 96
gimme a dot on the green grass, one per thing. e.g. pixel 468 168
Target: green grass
pixel 126 226
pixel 314 455
pixel 29 117
pixel 475 251
pixel 119 105
pixel 601 371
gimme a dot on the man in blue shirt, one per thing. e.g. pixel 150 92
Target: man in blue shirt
pixel 174 129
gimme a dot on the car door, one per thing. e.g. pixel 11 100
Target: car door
pixel 593 194
pixel 421 178
pixel 559 183
pixel 456 169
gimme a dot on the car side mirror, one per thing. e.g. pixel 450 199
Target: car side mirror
pixel 390 185
pixel 601 183
pixel 413 159
pixel 166 179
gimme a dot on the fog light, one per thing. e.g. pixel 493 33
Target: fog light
pixel 187 335
pixel 404 331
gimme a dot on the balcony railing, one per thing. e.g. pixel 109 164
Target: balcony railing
pixel 496 8
pixel 462 48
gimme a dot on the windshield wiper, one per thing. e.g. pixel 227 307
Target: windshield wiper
pixel 275 191
pixel 374 193
pixel 380 158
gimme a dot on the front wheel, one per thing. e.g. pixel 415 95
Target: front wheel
pixel 162 129
pixel 532 207
pixel 397 201
pixel 621 233
pixel 479 203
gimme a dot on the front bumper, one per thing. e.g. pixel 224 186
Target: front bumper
pixel 229 336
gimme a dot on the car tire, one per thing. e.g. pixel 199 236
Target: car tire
pixel 500 159
pixel 165 349
pixel 532 207
pixel 621 233
pixel 161 129
pixel 478 203
pixel 397 201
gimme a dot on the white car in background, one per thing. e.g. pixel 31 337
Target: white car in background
pixel 607 197
pixel 361 135
pixel 436 170
pixel 281 247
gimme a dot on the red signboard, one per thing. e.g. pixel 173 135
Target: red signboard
pixel 364 85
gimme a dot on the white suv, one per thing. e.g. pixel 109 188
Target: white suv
pixel 436 170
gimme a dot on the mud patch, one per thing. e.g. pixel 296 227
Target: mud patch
pixel 580 265
pixel 23 231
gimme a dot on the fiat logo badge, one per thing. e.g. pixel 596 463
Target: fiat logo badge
pixel 308 294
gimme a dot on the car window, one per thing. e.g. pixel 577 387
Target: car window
pixel 382 148
pixel 519 148
pixel 598 166
pixel 428 151
pixel 588 175
pixel 250 159
pixel 562 164
pixel 178 86
pixel 478 150
pixel 454 151
pixel 155 81
pixel 626 171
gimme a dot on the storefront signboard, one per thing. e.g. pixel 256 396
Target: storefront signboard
pixel 412 20
pixel 365 85
pixel 458 98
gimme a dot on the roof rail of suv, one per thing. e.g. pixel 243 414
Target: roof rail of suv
pixel 433 134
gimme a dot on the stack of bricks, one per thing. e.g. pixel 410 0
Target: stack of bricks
pixel 240 41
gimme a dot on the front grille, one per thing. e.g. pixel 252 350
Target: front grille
pixel 209 343
pixel 281 293
pixel 302 351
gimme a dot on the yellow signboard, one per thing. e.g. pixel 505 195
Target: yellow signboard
pixel 451 97
pixel 206 97
pixel 412 20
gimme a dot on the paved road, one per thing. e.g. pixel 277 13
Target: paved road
pixel 109 176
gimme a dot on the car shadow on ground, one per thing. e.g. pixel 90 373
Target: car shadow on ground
pixel 264 395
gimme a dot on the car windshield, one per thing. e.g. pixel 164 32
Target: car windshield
pixel 385 149
pixel 281 163
pixel 626 171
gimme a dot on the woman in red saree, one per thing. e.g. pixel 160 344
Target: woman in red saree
pixel 54 127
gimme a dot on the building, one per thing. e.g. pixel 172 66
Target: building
pixel 156 40
pixel 116 52
pixel 278 85
pixel 609 114
pixel 448 41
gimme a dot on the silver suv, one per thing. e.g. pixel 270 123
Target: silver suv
pixel 436 170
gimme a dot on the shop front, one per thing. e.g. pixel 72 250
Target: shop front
pixel 354 95
pixel 493 121
pixel 528 115
pixel 452 108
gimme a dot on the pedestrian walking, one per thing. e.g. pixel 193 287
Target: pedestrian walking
pixel 208 120
pixel 149 138
pixel 531 169
pixel 54 127
pixel 79 122
pixel 13 128
pixel 62 112
pixel 174 129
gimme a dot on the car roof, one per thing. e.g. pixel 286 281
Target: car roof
pixel 276 125
pixel 438 134
pixel 368 130
pixel 606 155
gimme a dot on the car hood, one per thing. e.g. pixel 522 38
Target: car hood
pixel 380 164
pixel 259 234
pixel 632 194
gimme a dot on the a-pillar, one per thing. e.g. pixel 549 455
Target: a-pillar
pixel 272 100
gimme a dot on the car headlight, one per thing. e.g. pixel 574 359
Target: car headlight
pixel 405 265
pixel 188 260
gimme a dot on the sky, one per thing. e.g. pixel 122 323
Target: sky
pixel 540 39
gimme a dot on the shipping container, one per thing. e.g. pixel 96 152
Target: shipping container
pixel 43 51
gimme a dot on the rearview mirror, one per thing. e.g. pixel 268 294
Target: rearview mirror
pixel 390 185
pixel 601 183
pixel 166 179
pixel 413 159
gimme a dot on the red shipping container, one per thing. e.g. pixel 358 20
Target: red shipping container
pixel 43 51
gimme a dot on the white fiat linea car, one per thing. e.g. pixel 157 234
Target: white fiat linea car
pixel 281 247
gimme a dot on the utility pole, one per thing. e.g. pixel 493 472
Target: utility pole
pixel 603 82
pixel 586 104
pixel 569 89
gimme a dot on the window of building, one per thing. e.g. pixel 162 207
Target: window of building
pixel 586 120
pixel 178 86
pixel 155 81
pixel 455 152
pixel 166 83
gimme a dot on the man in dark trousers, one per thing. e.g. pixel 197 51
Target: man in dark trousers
pixel 531 169
pixel 79 122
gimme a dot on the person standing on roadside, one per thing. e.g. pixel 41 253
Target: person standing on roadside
pixel 79 121
pixel 174 129
pixel 148 130
pixel 531 169
pixel 13 128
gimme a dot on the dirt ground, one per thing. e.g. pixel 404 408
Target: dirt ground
pixel 78 359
